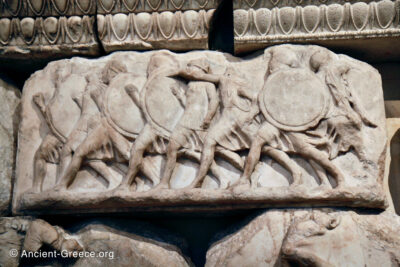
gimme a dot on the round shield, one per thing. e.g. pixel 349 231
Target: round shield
pixel 294 100
pixel 121 111
pixel 161 106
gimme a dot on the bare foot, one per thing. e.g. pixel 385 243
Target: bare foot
pixel 339 187
pixel 123 188
pixel 59 187
pixel 240 185
pixel 296 179
pixel 32 190
pixel 193 185
pixel 160 186
pixel 223 184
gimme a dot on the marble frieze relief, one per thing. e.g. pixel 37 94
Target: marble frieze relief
pixel 291 125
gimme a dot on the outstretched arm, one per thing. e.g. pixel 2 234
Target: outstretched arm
pixel 199 76
pixel 246 93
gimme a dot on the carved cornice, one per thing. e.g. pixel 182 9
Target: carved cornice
pixel 40 8
pixel 137 6
pixel 52 34
pixel 312 22
pixel 246 4
pixel 35 26
pixel 155 30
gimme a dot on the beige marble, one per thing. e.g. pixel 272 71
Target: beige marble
pixel 91 245
pixel 392 173
pixel 9 120
pixel 295 124
pixel 311 238
pixel 47 37
pixel 370 28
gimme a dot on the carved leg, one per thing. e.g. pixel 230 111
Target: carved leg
pixel 142 142
pixel 74 140
pixel 323 178
pixel 102 169
pixel 215 169
pixel 150 171
pixel 283 159
pixel 252 159
pixel 322 159
pixel 92 143
pixel 48 151
pixel 39 172
pixel 65 160
pixel 231 157
pixel 207 158
pixel 172 154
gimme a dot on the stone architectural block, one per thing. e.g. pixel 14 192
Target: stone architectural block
pixel 9 121
pixel 45 8
pixel 177 30
pixel 128 131
pixel 23 242
pixel 311 238
pixel 47 37
pixel 262 23
pixel 143 25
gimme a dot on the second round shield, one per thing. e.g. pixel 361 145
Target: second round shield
pixel 294 100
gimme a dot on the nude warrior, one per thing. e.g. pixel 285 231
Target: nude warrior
pixel 103 142
pixel 190 131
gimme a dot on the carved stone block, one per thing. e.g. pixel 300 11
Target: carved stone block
pixel 176 30
pixel 392 176
pixel 136 6
pixel 47 37
pixel 23 241
pixel 294 125
pixel 262 23
pixel 9 120
pixel 45 8
pixel 143 25
pixel 311 238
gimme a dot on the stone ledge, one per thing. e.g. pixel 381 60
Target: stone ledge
pixel 196 200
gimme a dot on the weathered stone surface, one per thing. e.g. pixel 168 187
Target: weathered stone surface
pixel 128 131
pixel 392 177
pixel 144 25
pixel 47 37
pixel 12 233
pixel 45 8
pixel 9 121
pixel 52 29
pixel 91 245
pixel 311 238
pixel 177 30
pixel 262 23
